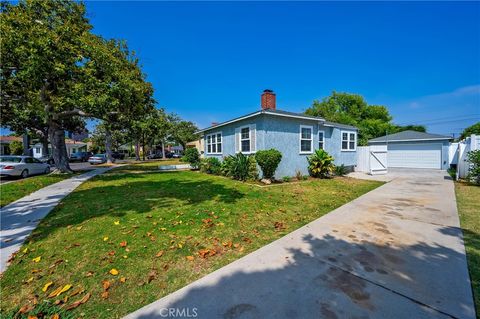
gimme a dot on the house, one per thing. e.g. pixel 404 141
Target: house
pixel 5 142
pixel 295 135
pixel 72 147
pixel 412 149
pixel 198 144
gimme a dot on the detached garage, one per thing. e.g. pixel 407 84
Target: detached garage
pixel 411 149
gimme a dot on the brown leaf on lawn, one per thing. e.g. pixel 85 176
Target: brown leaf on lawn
pixel 149 234
pixel 57 262
pixel 152 275
pixel 247 240
pixel 32 317
pixel 111 253
pixel 77 303
pixel 123 244
pixel 55 316
pixel 236 245
pixel 105 284
pixel 190 258
pixel 77 291
pixel 227 244
pixel 159 254
pixel 55 292
pixel 123 279
pixel 279 226
pixel 89 274
pixel 25 308
pixel 105 294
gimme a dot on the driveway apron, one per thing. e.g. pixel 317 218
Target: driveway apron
pixel 395 252
pixel 19 218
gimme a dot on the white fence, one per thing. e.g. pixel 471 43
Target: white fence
pixel 372 159
pixel 469 144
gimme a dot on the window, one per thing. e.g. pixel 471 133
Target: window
pixel 245 140
pixel 214 143
pixel 37 150
pixel 349 141
pixel 306 139
pixel 321 140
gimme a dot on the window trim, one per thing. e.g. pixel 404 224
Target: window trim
pixel 249 139
pixel 323 139
pixel 348 149
pixel 216 142
pixel 300 139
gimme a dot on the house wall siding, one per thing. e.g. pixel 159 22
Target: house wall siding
pixel 283 134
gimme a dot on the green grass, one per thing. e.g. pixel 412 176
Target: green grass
pixel 17 189
pixel 468 202
pixel 178 213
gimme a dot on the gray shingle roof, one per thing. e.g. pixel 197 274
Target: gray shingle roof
pixel 409 136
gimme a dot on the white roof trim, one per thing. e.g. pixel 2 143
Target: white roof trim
pixel 413 140
pixel 258 113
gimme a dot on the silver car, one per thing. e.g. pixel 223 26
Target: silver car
pixel 11 165
pixel 97 159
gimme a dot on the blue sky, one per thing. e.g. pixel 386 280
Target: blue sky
pixel 209 61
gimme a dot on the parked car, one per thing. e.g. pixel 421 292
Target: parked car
pixel 172 155
pixel 22 166
pixel 176 155
pixel 155 156
pixel 47 159
pixel 80 156
pixel 118 155
pixel 98 159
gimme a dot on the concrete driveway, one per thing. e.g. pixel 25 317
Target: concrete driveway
pixel 396 252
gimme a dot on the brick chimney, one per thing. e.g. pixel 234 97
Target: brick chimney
pixel 268 100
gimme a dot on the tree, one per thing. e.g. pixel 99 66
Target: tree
pixel 418 128
pixel 473 129
pixel 16 148
pixel 184 132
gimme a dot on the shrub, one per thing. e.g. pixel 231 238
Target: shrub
pixel 268 161
pixel 474 172
pixel 192 156
pixel 286 178
pixel 341 170
pixel 305 177
pixel 320 164
pixel 240 167
pixel 211 165
pixel 16 148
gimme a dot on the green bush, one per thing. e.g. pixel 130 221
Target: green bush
pixel 305 177
pixel 341 170
pixel 474 172
pixel 16 148
pixel 320 164
pixel 268 161
pixel 286 179
pixel 192 157
pixel 240 167
pixel 211 165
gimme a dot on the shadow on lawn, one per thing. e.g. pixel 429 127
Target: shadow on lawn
pixel 330 277
pixel 138 195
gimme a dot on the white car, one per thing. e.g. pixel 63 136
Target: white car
pixel 97 159
pixel 24 166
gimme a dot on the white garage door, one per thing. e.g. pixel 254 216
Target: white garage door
pixel 415 155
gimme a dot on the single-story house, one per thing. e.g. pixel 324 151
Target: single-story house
pixel 5 142
pixel 72 147
pixel 198 144
pixel 412 149
pixel 295 135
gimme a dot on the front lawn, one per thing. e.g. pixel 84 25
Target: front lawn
pixel 468 203
pixel 159 231
pixel 17 189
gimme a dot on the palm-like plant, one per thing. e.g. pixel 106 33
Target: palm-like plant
pixel 320 164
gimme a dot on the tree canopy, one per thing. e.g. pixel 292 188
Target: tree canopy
pixel 473 129
pixel 352 109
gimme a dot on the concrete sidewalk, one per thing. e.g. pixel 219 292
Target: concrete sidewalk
pixel 18 219
pixel 396 252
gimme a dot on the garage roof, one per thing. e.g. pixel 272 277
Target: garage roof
pixel 409 136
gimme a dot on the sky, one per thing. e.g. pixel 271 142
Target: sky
pixel 210 61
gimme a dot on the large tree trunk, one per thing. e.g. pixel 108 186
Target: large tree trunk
pixel 44 140
pixel 108 146
pixel 163 150
pixel 56 136
pixel 143 145
pixel 26 144
pixel 137 149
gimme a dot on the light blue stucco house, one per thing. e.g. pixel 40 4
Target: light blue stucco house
pixel 295 135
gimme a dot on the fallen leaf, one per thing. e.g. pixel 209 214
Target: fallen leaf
pixel 29 280
pixel 152 275
pixel 125 256
pixel 227 244
pixel 89 274
pixel 123 279
pixel 25 250
pixel 37 259
pixel 180 245
pixel 55 316
pixel 123 244
pixel 65 288
pixel 111 253
pixel 105 238
pixel 77 291
pixel 79 302
pixel 117 222
pixel 105 284
pixel 113 271
pixel 25 308
pixel 105 294
pixel 190 258
pixel 159 254
pixel 79 227
pixel 163 229
pixel 32 317
pixel 55 292
pixel 45 287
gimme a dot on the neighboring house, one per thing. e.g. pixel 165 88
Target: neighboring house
pixel 5 142
pixel 72 147
pixel 411 149
pixel 198 144
pixel 295 135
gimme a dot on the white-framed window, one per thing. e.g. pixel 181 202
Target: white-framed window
pixel 321 140
pixel 214 143
pixel 349 141
pixel 37 150
pixel 245 139
pixel 306 139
